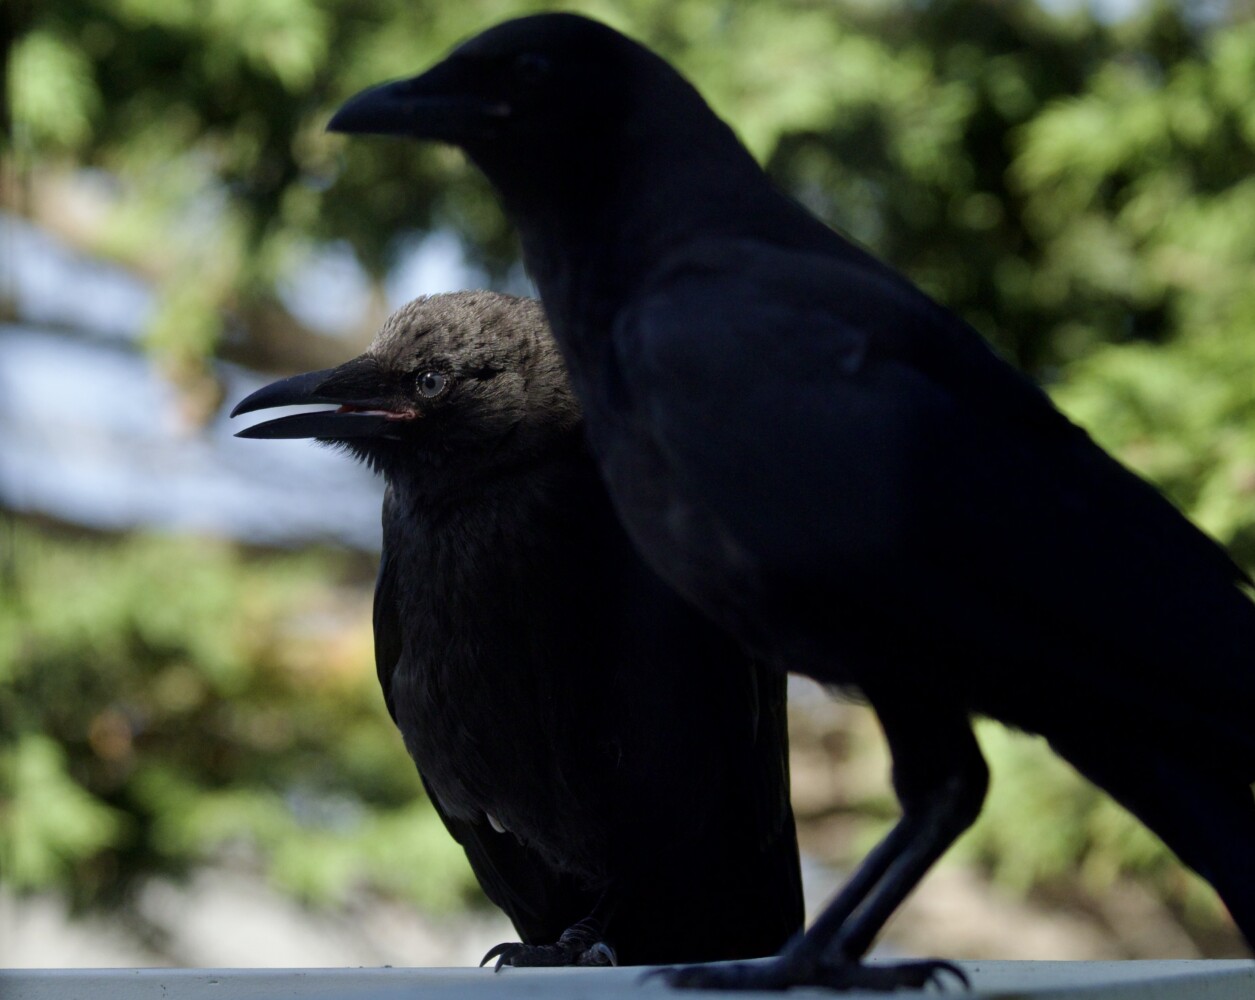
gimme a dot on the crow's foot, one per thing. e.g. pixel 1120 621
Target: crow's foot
pixel 781 974
pixel 564 952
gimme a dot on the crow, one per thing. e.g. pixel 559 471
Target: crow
pixel 614 766
pixel 842 474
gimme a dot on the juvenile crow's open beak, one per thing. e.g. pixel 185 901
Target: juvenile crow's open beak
pixel 366 406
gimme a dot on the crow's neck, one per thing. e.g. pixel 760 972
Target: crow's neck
pixel 497 557
pixel 452 490
pixel 593 231
pixel 461 545
pixel 445 514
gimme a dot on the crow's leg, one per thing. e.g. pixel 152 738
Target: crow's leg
pixel 580 944
pixel 940 779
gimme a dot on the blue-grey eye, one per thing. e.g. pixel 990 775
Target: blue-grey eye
pixel 432 384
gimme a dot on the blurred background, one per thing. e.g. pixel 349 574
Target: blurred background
pixel 196 766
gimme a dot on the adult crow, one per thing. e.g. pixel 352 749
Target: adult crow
pixel 843 475
pixel 615 767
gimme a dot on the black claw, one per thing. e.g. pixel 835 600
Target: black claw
pixel 938 980
pixel 780 974
pixel 493 952
pixel 549 956
pixel 599 954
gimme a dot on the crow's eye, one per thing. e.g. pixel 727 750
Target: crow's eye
pixel 530 68
pixel 432 384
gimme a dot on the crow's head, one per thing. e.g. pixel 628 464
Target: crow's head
pixel 593 142
pixel 457 380
pixel 554 108
pixel 530 77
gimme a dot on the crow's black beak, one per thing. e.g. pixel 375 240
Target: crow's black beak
pixel 440 104
pixel 366 405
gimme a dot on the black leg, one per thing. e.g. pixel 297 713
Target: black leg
pixel 940 779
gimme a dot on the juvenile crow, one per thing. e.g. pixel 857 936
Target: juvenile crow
pixel 615 767
pixel 844 476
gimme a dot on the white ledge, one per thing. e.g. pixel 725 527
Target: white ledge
pixel 1140 980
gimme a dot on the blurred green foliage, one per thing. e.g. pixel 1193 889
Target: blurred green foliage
pixel 1083 192
pixel 163 700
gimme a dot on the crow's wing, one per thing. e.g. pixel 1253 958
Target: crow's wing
pixel 540 902
pixel 844 430
pixel 387 625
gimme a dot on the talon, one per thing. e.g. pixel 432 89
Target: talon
pixel 550 956
pixel 489 954
pixel 600 954
pixel 782 974
pixel 937 979
pixel 501 952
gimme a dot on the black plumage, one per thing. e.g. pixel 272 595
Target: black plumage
pixel 614 766
pixel 843 475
